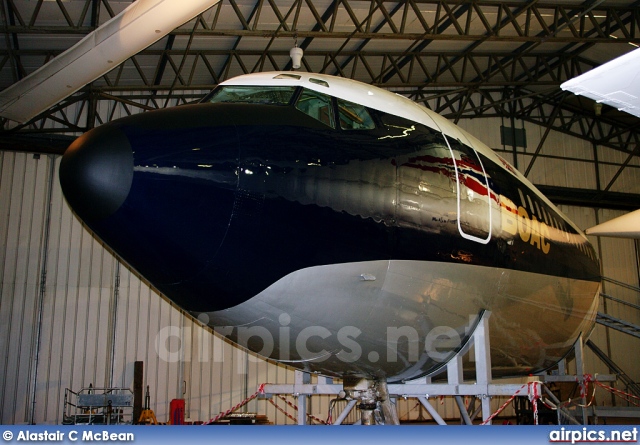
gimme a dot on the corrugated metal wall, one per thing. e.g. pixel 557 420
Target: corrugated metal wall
pixel 23 203
pixel 71 315
pixel 97 317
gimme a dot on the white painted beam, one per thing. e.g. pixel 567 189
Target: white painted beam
pixel 143 23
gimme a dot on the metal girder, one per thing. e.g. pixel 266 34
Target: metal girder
pixel 553 65
pixel 590 198
pixel 495 30
pixel 423 41
pixel 440 68
pixel 612 129
pixel 36 143
pixel 404 389
pixel 506 21
pixel 267 33
pixel 11 42
pixel 421 22
pixel 459 71
pixel 544 136
pixel 573 120
pixel 563 19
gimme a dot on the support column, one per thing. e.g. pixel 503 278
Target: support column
pixel 389 409
pixel 431 410
pixel 343 415
pixel 562 367
pixel 302 378
pixel 463 410
pixel 454 370
pixel 578 347
pixel 483 362
pixel 454 377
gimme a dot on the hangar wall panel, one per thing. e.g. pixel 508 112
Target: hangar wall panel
pixel 563 161
pixel 97 317
pixel 487 130
pixel 584 218
pixel 625 181
pixel 23 199
pixel 617 256
pixel 619 261
pixel 76 307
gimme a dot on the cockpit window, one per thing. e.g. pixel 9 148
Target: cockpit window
pixel 253 94
pixel 318 106
pixel 354 116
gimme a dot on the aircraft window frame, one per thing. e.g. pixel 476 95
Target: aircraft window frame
pixel 306 95
pixel 353 116
pixel 319 82
pixel 253 94
pixel 288 76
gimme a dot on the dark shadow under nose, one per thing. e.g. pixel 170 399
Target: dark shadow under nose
pixel 96 172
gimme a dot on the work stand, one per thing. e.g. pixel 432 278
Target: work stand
pixel 376 399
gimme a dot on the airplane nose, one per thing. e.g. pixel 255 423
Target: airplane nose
pixel 96 172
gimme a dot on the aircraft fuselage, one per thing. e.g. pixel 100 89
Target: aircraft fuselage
pixel 336 227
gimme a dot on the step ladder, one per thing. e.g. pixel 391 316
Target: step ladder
pixel 631 386
pixel 618 325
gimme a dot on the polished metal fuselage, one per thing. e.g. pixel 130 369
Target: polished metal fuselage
pixel 366 251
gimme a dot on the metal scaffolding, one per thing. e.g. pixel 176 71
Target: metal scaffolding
pixel 482 387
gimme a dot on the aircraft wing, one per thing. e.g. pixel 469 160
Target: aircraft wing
pixel 625 226
pixel 615 83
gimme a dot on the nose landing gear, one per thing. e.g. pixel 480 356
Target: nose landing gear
pixel 375 404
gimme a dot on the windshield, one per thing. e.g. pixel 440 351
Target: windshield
pixel 253 94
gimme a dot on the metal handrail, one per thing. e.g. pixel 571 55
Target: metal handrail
pixel 620 283
pixel 617 300
pixel 93 411
pixel 630 384
pixel 626 286
pixel 103 390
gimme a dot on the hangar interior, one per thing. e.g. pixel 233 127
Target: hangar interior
pixel 73 315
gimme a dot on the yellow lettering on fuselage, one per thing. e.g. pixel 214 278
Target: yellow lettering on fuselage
pixel 518 222
pixel 544 232
pixel 508 212
pixel 535 232
pixel 523 224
